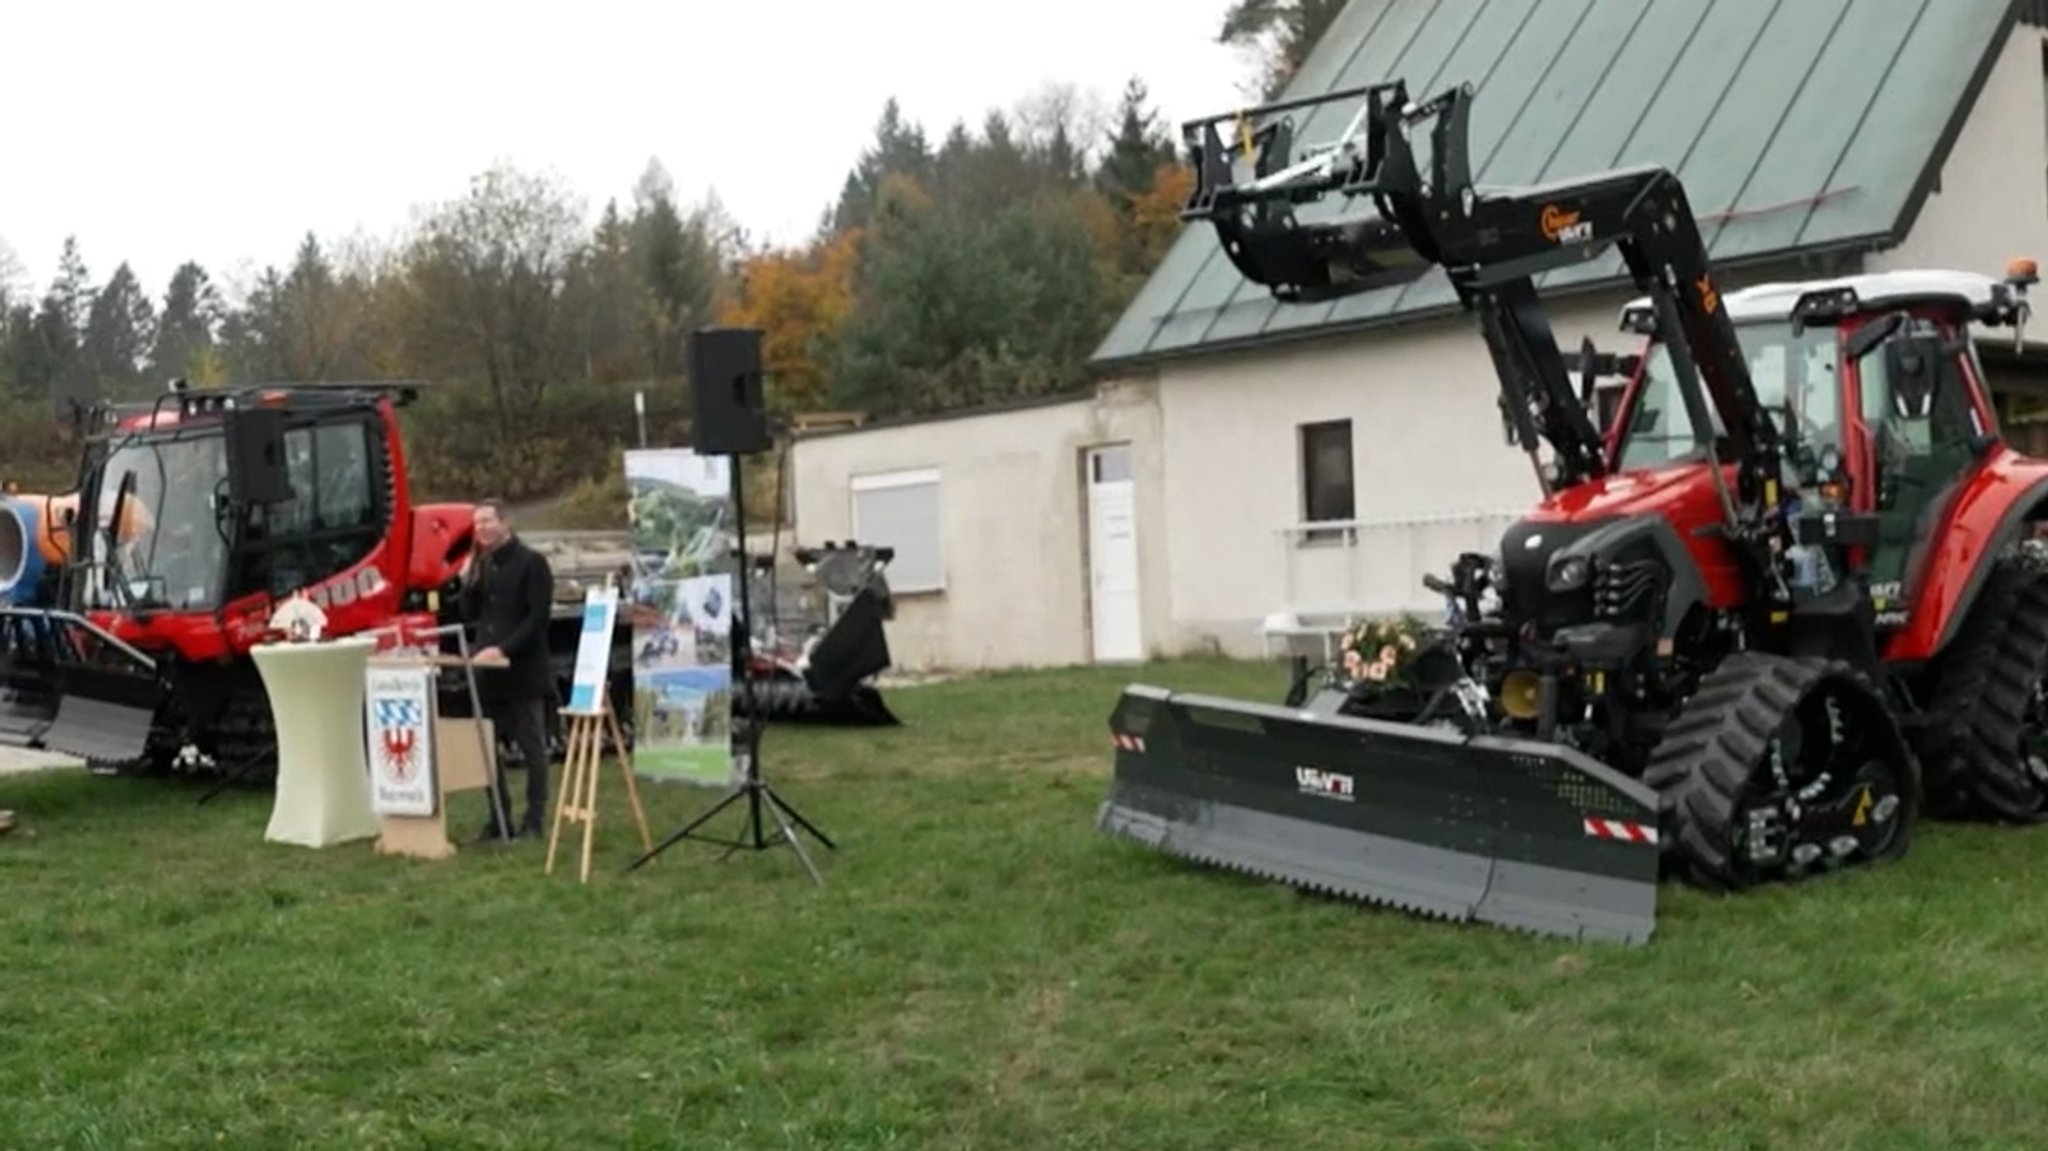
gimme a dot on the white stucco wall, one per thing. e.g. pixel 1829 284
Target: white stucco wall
pixel 1991 203
pixel 1013 524
pixel 1433 474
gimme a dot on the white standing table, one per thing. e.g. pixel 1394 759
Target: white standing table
pixel 323 768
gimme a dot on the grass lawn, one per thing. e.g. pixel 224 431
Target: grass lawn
pixel 983 970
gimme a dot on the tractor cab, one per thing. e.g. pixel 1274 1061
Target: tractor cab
pixel 1876 392
pixel 208 506
pixel 194 515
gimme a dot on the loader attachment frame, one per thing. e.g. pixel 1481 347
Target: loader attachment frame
pixel 1256 220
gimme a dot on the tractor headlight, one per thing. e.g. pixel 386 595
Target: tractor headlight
pixel 1568 573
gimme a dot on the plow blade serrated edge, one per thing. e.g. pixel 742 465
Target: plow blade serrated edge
pixel 793 700
pixel 99 730
pixel 1520 834
pixel 102 716
pixel 24 712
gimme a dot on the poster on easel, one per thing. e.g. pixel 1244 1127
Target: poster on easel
pixel 680 602
pixel 593 651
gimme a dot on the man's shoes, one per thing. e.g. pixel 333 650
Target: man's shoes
pixel 532 827
pixel 491 834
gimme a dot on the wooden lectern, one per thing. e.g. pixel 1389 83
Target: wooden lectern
pixel 410 783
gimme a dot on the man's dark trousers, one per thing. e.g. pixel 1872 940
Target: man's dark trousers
pixel 522 721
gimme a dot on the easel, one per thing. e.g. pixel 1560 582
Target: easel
pixel 456 767
pixel 591 719
pixel 580 763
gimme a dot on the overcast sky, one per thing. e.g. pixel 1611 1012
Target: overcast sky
pixel 222 130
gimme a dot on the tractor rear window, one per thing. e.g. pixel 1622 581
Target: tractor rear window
pixel 330 477
pixel 332 522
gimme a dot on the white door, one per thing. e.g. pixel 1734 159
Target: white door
pixel 1113 555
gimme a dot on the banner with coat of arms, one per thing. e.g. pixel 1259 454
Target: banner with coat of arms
pixel 400 706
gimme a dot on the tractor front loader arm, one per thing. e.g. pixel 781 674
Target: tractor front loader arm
pixel 1492 243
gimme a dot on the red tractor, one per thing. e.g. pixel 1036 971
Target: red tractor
pixel 1784 602
pixel 194 517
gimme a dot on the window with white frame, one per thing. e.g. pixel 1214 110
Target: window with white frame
pixel 901 510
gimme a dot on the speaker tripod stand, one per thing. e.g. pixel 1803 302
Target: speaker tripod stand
pixel 759 796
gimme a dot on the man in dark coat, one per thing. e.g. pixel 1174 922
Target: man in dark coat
pixel 508 595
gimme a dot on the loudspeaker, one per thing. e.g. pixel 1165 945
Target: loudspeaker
pixel 256 467
pixel 730 417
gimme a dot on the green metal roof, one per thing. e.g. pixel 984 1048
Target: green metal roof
pixel 1796 126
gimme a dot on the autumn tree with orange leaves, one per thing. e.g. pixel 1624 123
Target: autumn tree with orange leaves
pixel 798 299
pixel 983 269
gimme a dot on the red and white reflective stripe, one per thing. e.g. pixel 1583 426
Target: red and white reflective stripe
pixel 1128 742
pixel 1620 829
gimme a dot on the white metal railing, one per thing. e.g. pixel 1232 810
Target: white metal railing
pixel 1333 571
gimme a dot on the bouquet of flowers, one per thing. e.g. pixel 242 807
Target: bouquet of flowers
pixel 1377 651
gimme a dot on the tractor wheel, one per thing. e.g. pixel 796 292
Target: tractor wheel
pixel 1986 742
pixel 1777 769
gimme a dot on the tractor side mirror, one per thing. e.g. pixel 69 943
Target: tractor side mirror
pixel 257 473
pixel 1789 429
pixel 1865 339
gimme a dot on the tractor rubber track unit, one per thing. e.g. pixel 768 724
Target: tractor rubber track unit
pixel 1751 631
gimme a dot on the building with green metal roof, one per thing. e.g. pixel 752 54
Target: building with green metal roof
pixel 1319 459
pixel 1812 130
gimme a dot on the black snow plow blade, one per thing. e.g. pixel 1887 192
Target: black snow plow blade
pixel 1520 834
pixel 68 687
pixel 28 687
